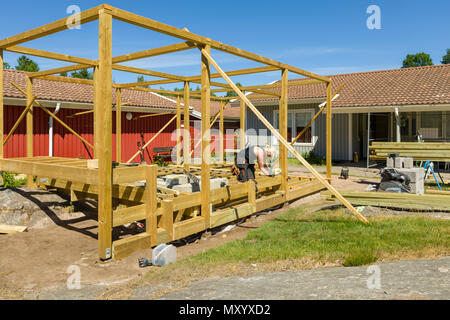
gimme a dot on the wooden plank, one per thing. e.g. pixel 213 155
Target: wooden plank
pixel 2 107
pixel 284 142
pixel 154 52
pixel 206 138
pixel 231 214
pixel 167 218
pixel 54 171
pixel 144 72
pixel 68 80
pixel 124 247
pixel 128 174
pixel 221 133
pixel 51 115
pixel 59 70
pixel 251 191
pixel 104 135
pixel 237 72
pixel 50 55
pixel 306 189
pixel 178 146
pixel 128 215
pixel 283 128
pixel 19 120
pixel 243 110
pixel 329 142
pixel 187 125
pixel 186 35
pixel 267 202
pixel 85 16
pixel 118 125
pixel 188 227
pixel 151 204
pixel 4 228
pixel 315 116
pixel 29 125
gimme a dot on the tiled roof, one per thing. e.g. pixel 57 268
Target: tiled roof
pixel 396 87
pixel 228 112
pixel 74 92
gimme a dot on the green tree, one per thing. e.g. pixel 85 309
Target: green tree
pixel 231 93
pixel 26 64
pixel 64 74
pixel 6 65
pixel 446 58
pixel 82 74
pixel 417 60
pixel 141 79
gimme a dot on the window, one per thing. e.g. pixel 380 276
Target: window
pixel 431 125
pixel 297 121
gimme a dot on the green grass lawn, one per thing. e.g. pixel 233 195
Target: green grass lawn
pixel 300 240
pixel 332 235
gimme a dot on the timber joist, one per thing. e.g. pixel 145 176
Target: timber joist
pixel 169 215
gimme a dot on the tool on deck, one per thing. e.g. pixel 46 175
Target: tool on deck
pixel 191 176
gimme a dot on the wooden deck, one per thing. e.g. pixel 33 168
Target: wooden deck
pixel 169 215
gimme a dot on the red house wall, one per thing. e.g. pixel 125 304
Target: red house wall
pixel 67 145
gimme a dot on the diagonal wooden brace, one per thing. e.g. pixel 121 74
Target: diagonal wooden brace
pixel 19 120
pixel 284 142
pixel 55 117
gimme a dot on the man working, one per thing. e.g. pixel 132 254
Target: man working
pixel 244 166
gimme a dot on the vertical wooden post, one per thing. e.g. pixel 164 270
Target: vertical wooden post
pixel 242 124
pixel 178 130
pixel 221 133
pixel 206 138
pixel 329 128
pixel 251 191
pixel 97 87
pixel 187 130
pixel 29 126
pixel 104 135
pixel 151 203
pixel 283 128
pixel 2 119
pixel 118 125
pixel 167 218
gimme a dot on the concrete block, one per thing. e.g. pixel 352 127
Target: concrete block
pixel 176 179
pixel 389 162
pixel 402 163
pixel 187 187
pixel 416 176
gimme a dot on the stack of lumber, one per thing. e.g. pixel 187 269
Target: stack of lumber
pixel 420 151
pixel 425 202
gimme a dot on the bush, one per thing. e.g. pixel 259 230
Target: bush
pixel 313 158
pixel 10 181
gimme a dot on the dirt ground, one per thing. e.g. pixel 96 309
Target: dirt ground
pixel 35 262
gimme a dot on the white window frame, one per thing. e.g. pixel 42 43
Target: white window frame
pixel 276 114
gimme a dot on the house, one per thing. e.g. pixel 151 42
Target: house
pixel 398 104
pixel 74 98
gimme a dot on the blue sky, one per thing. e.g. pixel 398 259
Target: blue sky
pixel 325 37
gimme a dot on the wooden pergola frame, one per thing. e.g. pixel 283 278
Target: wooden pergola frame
pixel 107 182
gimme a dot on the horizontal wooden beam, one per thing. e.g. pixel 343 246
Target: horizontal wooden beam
pixel 67 79
pixel 144 72
pixel 59 70
pixel 47 170
pixel 51 28
pixel 147 23
pixel 237 72
pixel 154 52
pixel 50 55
